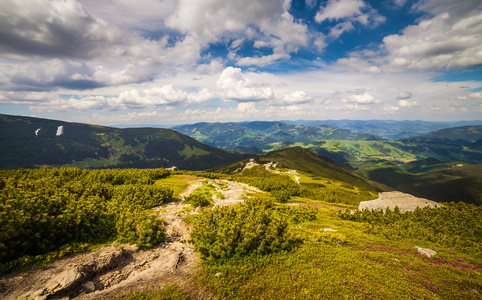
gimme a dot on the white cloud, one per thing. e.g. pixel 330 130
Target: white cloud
pixel 406 103
pixel 349 12
pixel 297 97
pixel 137 15
pixel 340 28
pixel 447 40
pixel 477 95
pixel 356 63
pixel 235 86
pixel 262 21
pixel 360 98
pixel 131 99
pixel 404 95
pixel 390 108
pixel 356 107
pixel 340 9
pixel 247 107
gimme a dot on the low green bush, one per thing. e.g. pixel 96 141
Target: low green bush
pixel 252 228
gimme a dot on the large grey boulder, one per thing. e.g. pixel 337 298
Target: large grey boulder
pixel 405 202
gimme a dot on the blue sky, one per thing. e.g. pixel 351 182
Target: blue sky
pixel 167 62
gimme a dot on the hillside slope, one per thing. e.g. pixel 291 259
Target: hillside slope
pixel 298 158
pixel 452 144
pixel 31 142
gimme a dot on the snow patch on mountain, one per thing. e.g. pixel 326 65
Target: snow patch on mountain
pixel 60 130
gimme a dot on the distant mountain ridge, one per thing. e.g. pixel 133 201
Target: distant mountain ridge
pixel 263 135
pixel 470 134
pixel 388 129
pixel 31 142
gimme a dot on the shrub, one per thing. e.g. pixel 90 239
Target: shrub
pixel 252 228
pixel 199 200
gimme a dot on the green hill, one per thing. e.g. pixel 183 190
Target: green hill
pixel 432 179
pixel 32 142
pixel 464 134
pixel 453 144
pixel 298 158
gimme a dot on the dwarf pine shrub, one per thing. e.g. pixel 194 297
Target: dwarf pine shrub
pixel 252 228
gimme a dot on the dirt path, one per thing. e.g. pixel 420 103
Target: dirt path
pixel 117 269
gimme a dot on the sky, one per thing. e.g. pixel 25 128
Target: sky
pixel 169 62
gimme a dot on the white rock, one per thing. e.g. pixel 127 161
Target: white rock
pixel 405 202
pixel 329 229
pixel 425 251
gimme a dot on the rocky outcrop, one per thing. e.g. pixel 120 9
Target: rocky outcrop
pixel 405 202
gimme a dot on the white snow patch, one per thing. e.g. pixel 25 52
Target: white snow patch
pixel 60 130
pixel 36 131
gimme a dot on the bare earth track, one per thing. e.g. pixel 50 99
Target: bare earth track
pixel 113 270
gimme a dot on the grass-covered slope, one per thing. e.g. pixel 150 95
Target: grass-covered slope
pixel 27 142
pixel 298 158
pixel 453 144
pixel 432 179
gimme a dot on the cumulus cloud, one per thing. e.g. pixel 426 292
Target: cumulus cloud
pixel 54 28
pixel 235 86
pixel 390 108
pixel 406 103
pixel 477 95
pixel 247 107
pixel 356 62
pixel 297 97
pixel 449 39
pixel 360 98
pixel 131 99
pixel 340 9
pixel 139 15
pixel 348 12
pixel 267 21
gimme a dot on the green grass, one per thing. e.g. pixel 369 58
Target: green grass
pixel 348 264
pixel 178 183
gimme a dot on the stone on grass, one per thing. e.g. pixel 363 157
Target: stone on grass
pixel 427 252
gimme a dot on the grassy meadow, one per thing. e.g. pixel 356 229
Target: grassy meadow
pixel 295 240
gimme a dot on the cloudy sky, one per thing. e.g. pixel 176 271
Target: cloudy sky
pixel 165 62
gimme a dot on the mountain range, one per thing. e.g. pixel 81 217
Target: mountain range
pixel 34 142
pixel 444 165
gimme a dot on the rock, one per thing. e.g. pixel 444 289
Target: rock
pixel 88 287
pixel 218 274
pixel 427 252
pixel 405 202
pixel 64 280
pixel 329 229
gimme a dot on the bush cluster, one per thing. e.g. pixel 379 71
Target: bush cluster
pixel 42 210
pixel 252 228
pixel 455 225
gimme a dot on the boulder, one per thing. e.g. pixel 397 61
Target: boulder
pixel 405 202
pixel 425 251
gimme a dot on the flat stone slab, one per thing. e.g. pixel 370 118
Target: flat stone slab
pixel 405 202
